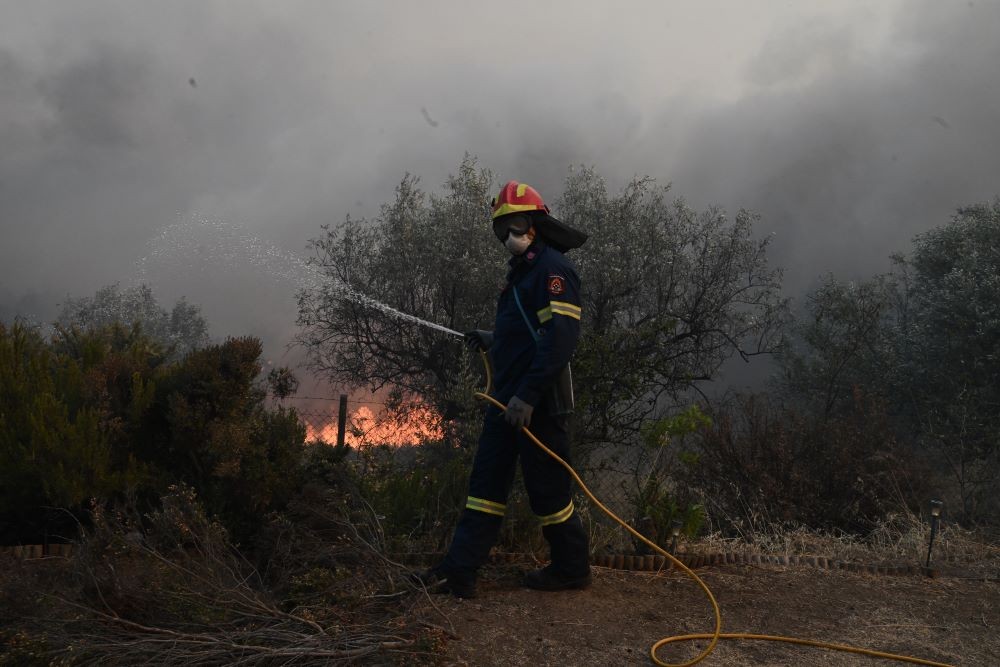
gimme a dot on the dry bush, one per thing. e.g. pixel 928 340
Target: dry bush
pixel 172 590
pixel 761 462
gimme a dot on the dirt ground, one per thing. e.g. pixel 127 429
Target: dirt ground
pixel 615 622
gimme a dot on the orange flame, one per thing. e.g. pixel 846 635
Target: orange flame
pixel 364 427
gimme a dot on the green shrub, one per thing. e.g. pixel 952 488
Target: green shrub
pixel 657 501
pixel 418 492
pixel 100 414
pixel 66 409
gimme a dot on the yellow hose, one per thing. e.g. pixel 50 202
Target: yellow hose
pixel 717 633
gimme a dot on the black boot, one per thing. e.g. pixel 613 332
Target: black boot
pixel 569 551
pixel 549 579
pixel 440 580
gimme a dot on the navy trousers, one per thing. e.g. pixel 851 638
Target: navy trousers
pixel 548 485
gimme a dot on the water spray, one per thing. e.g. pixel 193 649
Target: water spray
pixel 364 300
pixel 229 245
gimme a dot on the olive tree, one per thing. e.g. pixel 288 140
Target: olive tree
pixel 845 338
pixel 925 339
pixel 669 294
pixel 432 257
pixel 949 348
pixel 181 330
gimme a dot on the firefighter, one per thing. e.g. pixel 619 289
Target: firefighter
pixel 536 331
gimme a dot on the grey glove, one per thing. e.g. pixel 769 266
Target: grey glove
pixel 518 412
pixel 477 339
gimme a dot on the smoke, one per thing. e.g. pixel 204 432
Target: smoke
pixel 847 166
pixel 849 127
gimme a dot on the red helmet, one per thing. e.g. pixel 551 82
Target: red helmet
pixel 517 197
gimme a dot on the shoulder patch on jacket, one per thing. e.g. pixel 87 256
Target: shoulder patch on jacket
pixel 557 285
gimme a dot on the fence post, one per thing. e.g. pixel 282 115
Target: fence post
pixel 342 420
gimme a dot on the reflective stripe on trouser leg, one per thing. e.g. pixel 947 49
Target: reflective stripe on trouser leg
pixel 483 505
pixel 556 517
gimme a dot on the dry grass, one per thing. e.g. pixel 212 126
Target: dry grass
pixel 899 539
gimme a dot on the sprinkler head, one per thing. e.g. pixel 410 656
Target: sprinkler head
pixel 936 506
pixel 675 531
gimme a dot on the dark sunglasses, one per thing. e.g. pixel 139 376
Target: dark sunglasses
pixel 518 225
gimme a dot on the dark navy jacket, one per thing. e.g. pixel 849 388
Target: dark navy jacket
pixel 549 291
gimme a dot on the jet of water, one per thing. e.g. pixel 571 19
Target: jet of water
pixel 201 239
pixel 369 302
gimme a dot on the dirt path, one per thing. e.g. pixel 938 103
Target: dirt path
pixel 616 621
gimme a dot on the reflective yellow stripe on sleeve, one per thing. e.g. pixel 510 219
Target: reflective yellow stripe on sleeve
pixel 544 315
pixel 487 506
pixel 567 309
pixel 558 517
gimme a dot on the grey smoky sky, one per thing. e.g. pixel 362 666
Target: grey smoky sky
pixel 849 125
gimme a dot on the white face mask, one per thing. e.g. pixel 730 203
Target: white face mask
pixel 517 243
